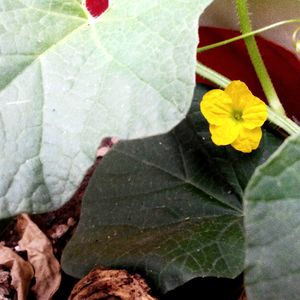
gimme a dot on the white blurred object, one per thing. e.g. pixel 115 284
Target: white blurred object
pixel 221 13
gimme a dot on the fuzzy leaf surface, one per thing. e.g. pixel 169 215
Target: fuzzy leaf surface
pixel 68 80
pixel 272 223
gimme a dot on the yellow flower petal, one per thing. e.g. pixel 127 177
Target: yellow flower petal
pixel 255 113
pixel 247 140
pixel 238 91
pixel 226 133
pixel 216 106
pixel 234 116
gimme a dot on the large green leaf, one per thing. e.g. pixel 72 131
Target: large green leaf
pixel 68 80
pixel 272 219
pixel 168 206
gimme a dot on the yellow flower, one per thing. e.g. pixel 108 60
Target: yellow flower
pixel 235 116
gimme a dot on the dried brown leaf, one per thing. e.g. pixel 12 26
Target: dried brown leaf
pixel 40 255
pixel 6 288
pixel 5 283
pixel 21 271
pixel 111 284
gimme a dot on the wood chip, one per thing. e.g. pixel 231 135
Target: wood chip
pixel 111 284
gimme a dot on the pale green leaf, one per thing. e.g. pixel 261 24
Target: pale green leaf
pixel 272 222
pixel 68 80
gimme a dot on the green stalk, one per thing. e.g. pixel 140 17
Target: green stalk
pixel 252 33
pixel 211 75
pixel 283 122
pixel 280 120
pixel 256 59
pixel 296 42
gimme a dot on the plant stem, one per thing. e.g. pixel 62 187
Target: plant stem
pixel 212 75
pixel 256 59
pixel 222 43
pixel 296 43
pixel 280 120
pixel 283 122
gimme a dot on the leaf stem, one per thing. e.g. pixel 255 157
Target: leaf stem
pixel 254 32
pixel 256 59
pixel 295 41
pixel 280 120
pixel 283 122
pixel 212 75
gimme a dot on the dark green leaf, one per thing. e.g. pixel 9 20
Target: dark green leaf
pixel 168 206
pixel 272 220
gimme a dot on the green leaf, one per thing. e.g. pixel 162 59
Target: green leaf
pixel 168 206
pixel 272 218
pixel 68 80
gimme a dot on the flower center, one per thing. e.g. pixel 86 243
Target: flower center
pixel 237 115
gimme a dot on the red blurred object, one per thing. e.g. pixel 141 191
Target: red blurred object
pixel 233 62
pixel 97 7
